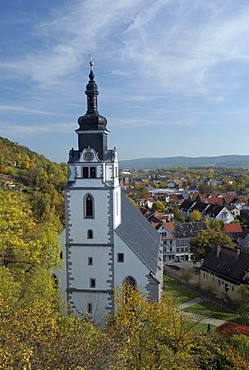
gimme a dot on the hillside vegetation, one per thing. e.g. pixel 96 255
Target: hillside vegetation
pixel 38 332
pixel 41 180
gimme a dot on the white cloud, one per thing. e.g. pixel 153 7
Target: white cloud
pixel 31 130
pixel 12 108
pixel 176 45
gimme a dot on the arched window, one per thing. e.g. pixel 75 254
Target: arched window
pixel 89 234
pixel 88 206
pixel 129 280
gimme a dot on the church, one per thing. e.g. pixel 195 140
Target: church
pixel 106 240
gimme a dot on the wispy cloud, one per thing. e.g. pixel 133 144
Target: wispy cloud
pixel 177 44
pixel 11 108
pixel 31 130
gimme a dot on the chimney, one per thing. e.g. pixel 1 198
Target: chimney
pixel 218 250
pixel 238 252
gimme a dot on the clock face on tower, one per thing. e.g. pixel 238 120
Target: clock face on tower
pixel 88 156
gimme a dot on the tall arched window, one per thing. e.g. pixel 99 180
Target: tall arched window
pixel 129 280
pixel 88 206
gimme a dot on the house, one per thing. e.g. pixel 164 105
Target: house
pixel 234 210
pixel 223 271
pixel 232 230
pixel 217 212
pixel 186 207
pixel 106 240
pixel 200 207
pixel 208 211
pixel 176 238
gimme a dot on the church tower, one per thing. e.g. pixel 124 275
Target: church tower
pixel 92 201
pixel 106 241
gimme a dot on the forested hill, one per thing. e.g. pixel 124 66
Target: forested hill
pixel 44 181
pixel 219 161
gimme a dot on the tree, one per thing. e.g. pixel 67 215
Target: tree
pixel 28 250
pixel 151 335
pixel 244 301
pixel 178 217
pixel 202 244
pixel 215 224
pixel 195 216
pixel 159 206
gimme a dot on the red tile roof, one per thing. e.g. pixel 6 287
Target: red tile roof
pixel 233 228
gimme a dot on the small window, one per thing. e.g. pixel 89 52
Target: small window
pixel 89 234
pixel 85 172
pixel 92 172
pixel 90 261
pixel 120 257
pixel 89 307
pixel 92 283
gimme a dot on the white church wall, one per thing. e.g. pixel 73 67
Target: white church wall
pixel 132 265
pixel 79 224
pixel 82 271
pixel 98 304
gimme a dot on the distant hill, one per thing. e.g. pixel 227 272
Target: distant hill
pixel 219 161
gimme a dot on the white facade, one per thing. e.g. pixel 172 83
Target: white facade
pixel 106 240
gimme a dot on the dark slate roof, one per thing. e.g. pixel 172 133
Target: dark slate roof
pixel 213 210
pixel 138 234
pixel 200 206
pixel 187 204
pixel 243 234
pixel 189 229
pixel 229 264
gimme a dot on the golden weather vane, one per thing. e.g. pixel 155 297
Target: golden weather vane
pixel 91 63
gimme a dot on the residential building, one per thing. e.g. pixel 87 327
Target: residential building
pixel 232 230
pixel 223 271
pixel 176 238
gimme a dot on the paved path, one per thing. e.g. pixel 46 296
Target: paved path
pixel 190 303
pixel 200 318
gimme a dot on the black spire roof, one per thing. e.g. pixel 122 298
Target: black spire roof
pixel 92 120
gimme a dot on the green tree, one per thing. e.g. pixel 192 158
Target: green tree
pixel 244 301
pixel 159 206
pixel 202 244
pixel 215 224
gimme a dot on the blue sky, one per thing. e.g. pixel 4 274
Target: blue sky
pixel 173 75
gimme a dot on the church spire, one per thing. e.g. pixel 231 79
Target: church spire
pixel 92 92
pixel 92 122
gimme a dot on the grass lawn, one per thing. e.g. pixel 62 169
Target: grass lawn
pixel 211 309
pixel 178 291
